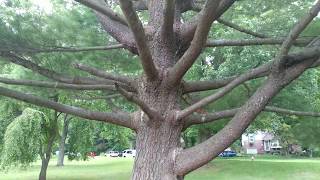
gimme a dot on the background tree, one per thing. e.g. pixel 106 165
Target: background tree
pixel 31 134
pixel 167 43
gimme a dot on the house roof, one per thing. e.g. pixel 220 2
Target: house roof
pixel 267 136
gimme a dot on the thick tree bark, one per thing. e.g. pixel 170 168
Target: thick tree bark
pixel 156 150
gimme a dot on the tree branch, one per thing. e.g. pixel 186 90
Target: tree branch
pixel 152 114
pixel 247 113
pixel 118 31
pixel 211 117
pixel 49 73
pixel 307 54
pixel 101 8
pixel 207 15
pixel 140 39
pixel 196 86
pixel 289 60
pixel 188 28
pixel 111 96
pixel 295 31
pixel 241 29
pixel 255 42
pixel 168 20
pixel 62 49
pixel 121 119
pixel 103 74
pixel 56 85
pixel 234 83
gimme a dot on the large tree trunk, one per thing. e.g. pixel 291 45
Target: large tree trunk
pixel 63 141
pixel 157 138
pixel 156 150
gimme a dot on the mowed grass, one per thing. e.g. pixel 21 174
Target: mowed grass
pixel 103 168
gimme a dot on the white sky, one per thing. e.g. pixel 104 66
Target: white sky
pixel 44 5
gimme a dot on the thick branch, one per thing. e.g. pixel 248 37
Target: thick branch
pixel 62 49
pixel 211 117
pixel 255 42
pixel 103 74
pixel 168 20
pixel 55 85
pixel 121 119
pixel 101 8
pixel 152 114
pixel 291 112
pixel 118 31
pixel 188 28
pixel 289 60
pixel 247 113
pixel 140 38
pixel 196 86
pixel 234 83
pixel 207 16
pixel 241 29
pixel 49 73
pixel 297 29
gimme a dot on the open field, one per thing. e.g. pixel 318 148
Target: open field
pixel 102 168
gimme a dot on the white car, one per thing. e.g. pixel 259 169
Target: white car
pixel 112 154
pixel 129 153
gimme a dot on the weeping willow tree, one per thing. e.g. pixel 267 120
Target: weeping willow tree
pixel 27 137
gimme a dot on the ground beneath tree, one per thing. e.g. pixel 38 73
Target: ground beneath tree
pixel 103 168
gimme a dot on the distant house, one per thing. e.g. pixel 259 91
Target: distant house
pixel 260 142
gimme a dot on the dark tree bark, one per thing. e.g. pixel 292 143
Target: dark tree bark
pixel 167 48
pixel 62 142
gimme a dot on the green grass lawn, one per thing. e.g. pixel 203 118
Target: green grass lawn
pixel 102 168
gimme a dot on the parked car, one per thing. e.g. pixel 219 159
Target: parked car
pixel 112 154
pixel 129 153
pixel 91 154
pixel 228 154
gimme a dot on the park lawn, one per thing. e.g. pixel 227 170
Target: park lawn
pixel 103 168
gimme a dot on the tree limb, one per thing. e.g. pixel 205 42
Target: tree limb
pixel 196 86
pixel 62 49
pixel 255 42
pixel 101 8
pixel 295 31
pixel 56 85
pixel 234 83
pixel 121 119
pixel 190 159
pixel 168 17
pixel 207 15
pixel 103 74
pixel 188 29
pixel 288 60
pixel 211 117
pixel 49 73
pixel 87 98
pixel 152 114
pixel 118 31
pixel 241 29
pixel 140 39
